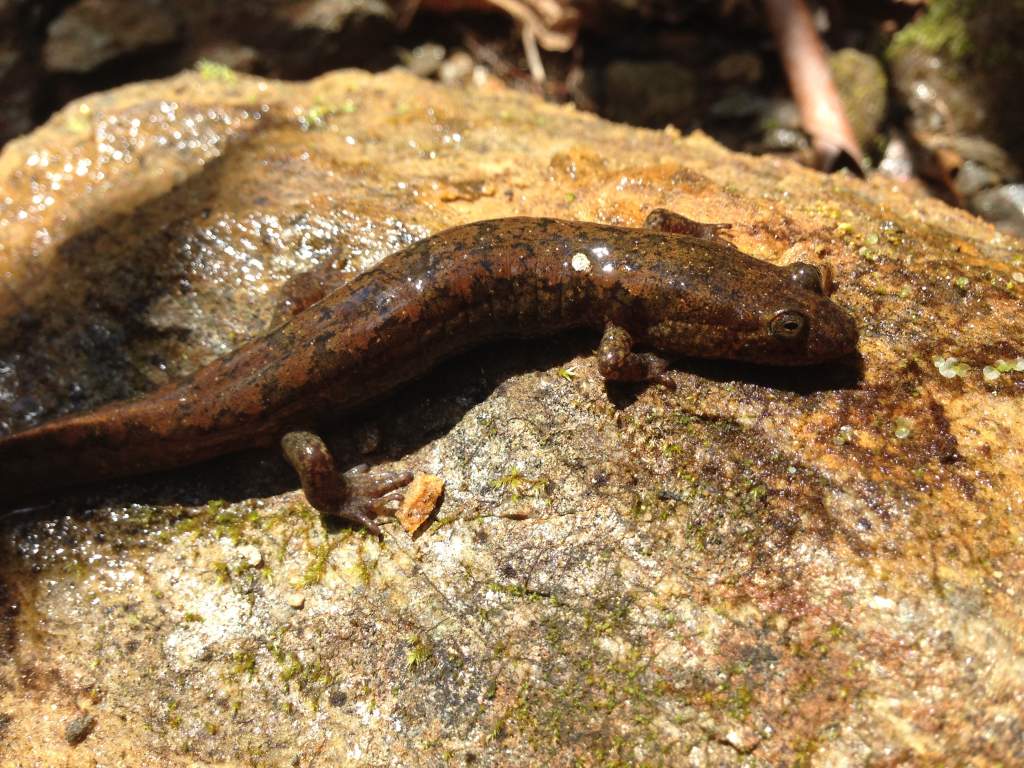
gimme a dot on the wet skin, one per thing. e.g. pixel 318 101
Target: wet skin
pixel 675 288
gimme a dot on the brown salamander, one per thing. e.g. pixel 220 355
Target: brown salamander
pixel 673 287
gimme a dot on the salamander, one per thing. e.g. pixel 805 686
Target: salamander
pixel 673 288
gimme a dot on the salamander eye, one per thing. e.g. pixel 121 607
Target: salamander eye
pixel 811 278
pixel 788 324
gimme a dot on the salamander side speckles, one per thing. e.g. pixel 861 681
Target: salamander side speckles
pixel 676 294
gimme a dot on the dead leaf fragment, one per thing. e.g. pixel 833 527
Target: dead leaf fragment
pixel 419 501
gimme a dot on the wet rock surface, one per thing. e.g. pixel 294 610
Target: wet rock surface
pixel 761 567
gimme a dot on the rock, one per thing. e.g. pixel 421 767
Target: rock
pixel 650 93
pixel 240 58
pixel 19 91
pixel 424 60
pixel 783 140
pixel 92 32
pixel 789 562
pixel 952 68
pixel 972 177
pixel 863 88
pixel 334 15
pixel 20 82
pixel 78 729
pixel 457 69
pixel 743 740
pixel 250 555
pixel 743 67
pixel 898 158
pixel 1003 206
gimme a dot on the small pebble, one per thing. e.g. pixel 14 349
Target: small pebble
pixel 456 69
pixel 424 60
pixel 743 739
pixel 251 554
pixel 78 729
pixel 296 600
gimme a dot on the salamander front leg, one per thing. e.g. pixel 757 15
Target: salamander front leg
pixel 617 361
pixel 664 220
pixel 357 495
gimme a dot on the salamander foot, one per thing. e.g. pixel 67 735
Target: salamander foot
pixel 357 496
pixel 664 220
pixel 617 361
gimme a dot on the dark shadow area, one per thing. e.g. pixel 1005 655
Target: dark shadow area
pixel 845 373
pixel 401 423
pixel 88 311
pixel 406 420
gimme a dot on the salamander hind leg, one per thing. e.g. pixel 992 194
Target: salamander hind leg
pixel 617 361
pixel 356 496
pixel 664 220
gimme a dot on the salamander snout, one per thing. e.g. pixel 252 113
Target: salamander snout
pixel 806 331
pixel 827 333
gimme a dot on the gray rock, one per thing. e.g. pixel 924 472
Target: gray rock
pixel 78 729
pixel 1003 206
pixel 424 60
pixel 863 87
pixel 334 15
pixel 650 92
pixel 93 32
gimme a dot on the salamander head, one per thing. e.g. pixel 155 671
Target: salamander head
pixel 771 315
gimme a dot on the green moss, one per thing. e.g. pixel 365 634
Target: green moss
pixel 846 434
pixel 243 663
pixel 79 122
pixel 560 706
pixel 567 373
pixel 219 519
pixel 318 115
pixel 902 428
pixel 518 486
pixel 419 650
pixel 653 505
pixel 214 506
pixel 215 71
pixel 317 566
pixel 518 590
pixel 173 718
pixel 290 667
pixel 942 29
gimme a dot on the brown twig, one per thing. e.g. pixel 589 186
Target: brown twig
pixel 810 80
pixel 554 23
pixel 532 53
